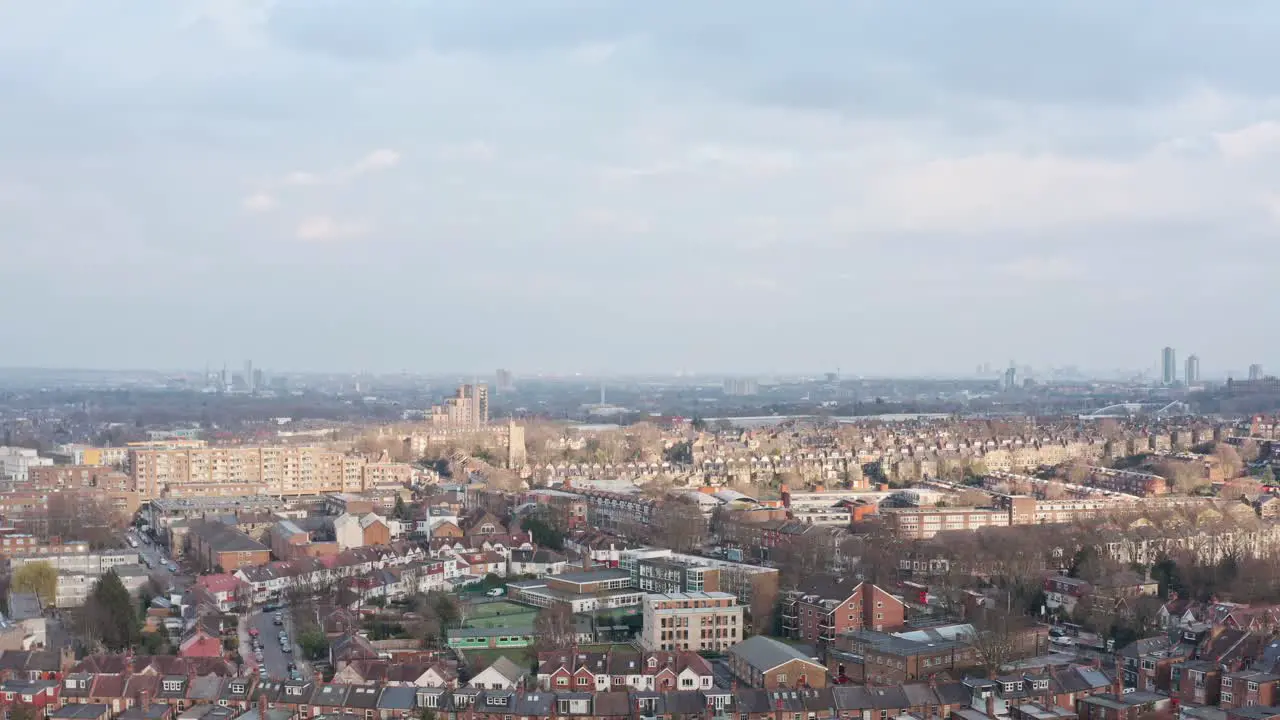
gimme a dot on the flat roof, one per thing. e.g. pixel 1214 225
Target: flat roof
pixel 592 576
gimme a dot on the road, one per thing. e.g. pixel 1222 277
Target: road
pixel 153 553
pixel 276 660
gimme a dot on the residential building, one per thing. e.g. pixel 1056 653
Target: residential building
pixel 275 470
pixel 359 531
pixel 826 608
pixel 1249 688
pixel 16 463
pixel 922 523
pixel 699 621
pixel 79 477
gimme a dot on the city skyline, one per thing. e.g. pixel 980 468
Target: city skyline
pixel 636 188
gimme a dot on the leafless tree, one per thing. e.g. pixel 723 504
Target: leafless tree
pixel 1229 460
pixel 995 639
pixel 554 628
pixel 803 555
pixel 679 525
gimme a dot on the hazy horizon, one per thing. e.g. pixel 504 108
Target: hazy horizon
pixel 891 189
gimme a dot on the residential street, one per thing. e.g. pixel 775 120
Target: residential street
pixel 276 660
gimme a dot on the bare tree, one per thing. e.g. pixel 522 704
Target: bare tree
pixel 1229 460
pixel 995 639
pixel 679 525
pixel 803 555
pixel 554 628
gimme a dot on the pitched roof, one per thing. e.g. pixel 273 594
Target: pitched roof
pixel 765 653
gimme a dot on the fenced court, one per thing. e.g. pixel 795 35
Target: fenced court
pixel 501 614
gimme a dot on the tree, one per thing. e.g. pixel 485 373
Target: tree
pixel 1077 473
pixel 554 628
pixel 1229 460
pixel 680 453
pixel 995 640
pixel 1183 477
pixel 400 512
pixel 314 644
pixel 23 711
pixel 678 524
pixel 1267 476
pixel 1249 451
pixel 544 534
pixel 38 577
pixel 110 614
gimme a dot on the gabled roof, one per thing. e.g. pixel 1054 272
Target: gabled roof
pixel 764 653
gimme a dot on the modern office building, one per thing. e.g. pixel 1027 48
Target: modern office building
pixel 1255 372
pixel 1192 374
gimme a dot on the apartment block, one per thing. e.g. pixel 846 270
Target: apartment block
pixel 1249 688
pixel 79 568
pixel 923 523
pixel 275 470
pixel 78 477
pixel 710 621
pixel 827 608
pixel 468 408
pixel 16 463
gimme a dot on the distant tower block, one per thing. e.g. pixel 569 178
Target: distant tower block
pixel 517 457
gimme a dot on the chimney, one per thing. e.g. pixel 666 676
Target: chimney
pixel 144 700
pixel 1117 685
pixel 262 706
pixel 991 705
pixel 319 678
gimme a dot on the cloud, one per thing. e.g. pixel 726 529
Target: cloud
pixel 589 143
pixel 1249 142
pixel 260 202
pixel 322 228
pixel 373 162
pixel 377 160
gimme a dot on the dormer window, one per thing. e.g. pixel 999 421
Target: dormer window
pixel 173 685
pixel 237 687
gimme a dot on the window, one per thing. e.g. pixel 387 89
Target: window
pixel 1226 683
pixel 1226 697
pixel 1148 664
pixel 782 678
pixel 562 682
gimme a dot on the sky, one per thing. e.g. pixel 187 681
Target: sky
pixel 619 186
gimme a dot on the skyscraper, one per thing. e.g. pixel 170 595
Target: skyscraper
pixel 248 376
pixel 1011 377
pixel 1255 372
pixel 1169 366
pixel 1192 374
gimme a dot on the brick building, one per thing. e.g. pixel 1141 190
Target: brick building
pixel 826 608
